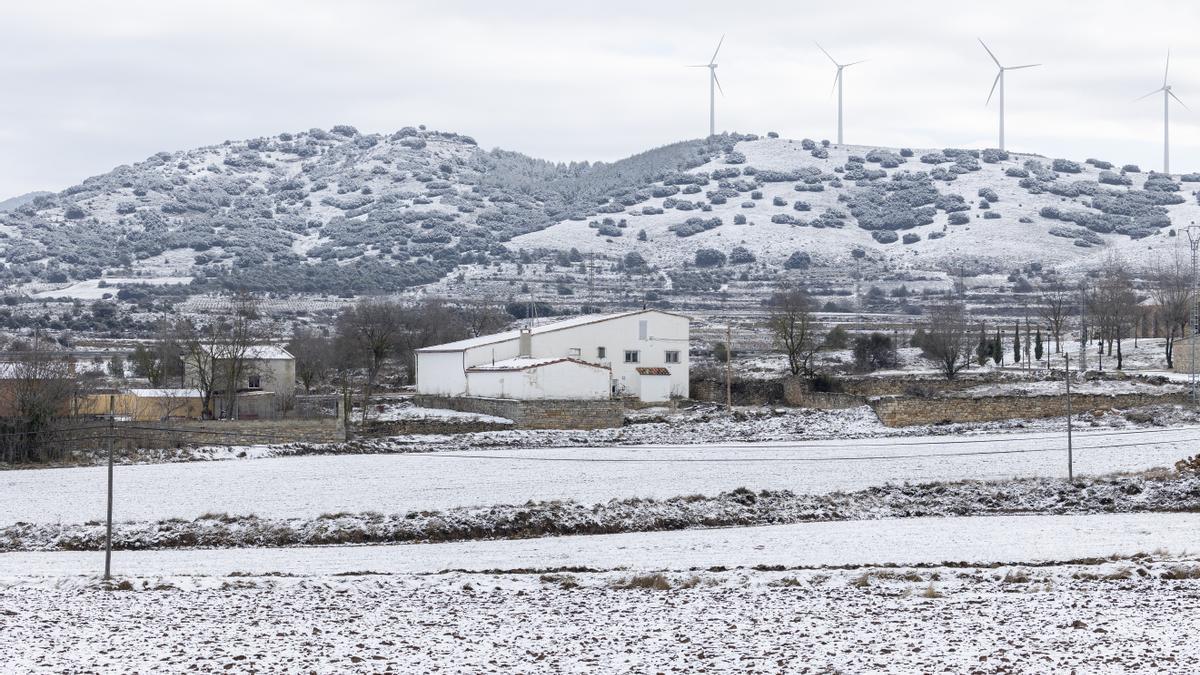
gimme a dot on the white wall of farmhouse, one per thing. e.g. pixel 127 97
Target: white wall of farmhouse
pixel 653 338
pixel 552 381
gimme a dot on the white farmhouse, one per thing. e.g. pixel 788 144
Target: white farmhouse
pixel 643 354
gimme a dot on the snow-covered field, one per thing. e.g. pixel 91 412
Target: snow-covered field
pixel 1085 618
pixel 92 290
pixel 407 411
pixel 309 486
pixel 908 541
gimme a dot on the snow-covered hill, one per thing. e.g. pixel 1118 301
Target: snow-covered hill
pixel 348 213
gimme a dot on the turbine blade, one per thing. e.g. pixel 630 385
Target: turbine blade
pixel 714 56
pixel 1168 68
pixel 1028 65
pixel 855 63
pixel 994 83
pixel 990 52
pixel 1148 95
pixel 699 65
pixel 818 44
pixel 1178 99
pixel 835 81
pixel 717 81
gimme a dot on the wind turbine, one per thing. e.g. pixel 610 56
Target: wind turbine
pixel 713 85
pixel 1167 96
pixel 837 84
pixel 1000 81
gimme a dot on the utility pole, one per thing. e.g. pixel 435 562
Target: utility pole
pixel 1082 327
pixel 728 368
pixel 1070 449
pixel 112 433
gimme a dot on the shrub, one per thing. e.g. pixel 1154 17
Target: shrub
pixel 740 255
pixel 936 234
pixel 798 260
pixel 959 219
pixel 1016 172
pixel 757 194
pixel 779 201
pixel 1066 166
pixel 1131 168
pixel 808 144
pixel 74 213
pixel 911 238
pixel 1098 163
pixel 802 206
pixel 874 352
pixel 783 219
pixel 739 219
pixel 934 158
pixel 906 152
pixel 735 158
pixel 993 155
pixel 836 338
pixel 989 194
pixel 709 257
pixel 884 236
pixel 1112 178
pixel 991 215
pixel 820 153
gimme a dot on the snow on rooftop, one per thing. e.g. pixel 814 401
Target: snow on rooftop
pixel 166 393
pixel 267 352
pixel 581 320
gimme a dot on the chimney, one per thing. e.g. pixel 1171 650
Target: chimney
pixel 525 344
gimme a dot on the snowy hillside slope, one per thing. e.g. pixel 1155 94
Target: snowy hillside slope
pixel 346 213
pixel 1011 231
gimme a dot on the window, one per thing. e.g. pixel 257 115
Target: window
pixel 573 352
pixel 255 382
pixel 672 357
pixel 601 353
pixel 632 356
pixel 643 330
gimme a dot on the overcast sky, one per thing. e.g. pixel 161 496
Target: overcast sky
pixel 88 85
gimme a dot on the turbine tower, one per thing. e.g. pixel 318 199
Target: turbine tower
pixel 837 84
pixel 713 85
pixel 1167 96
pixel 1000 81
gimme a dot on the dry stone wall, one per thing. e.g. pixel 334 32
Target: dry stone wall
pixel 904 411
pixel 560 414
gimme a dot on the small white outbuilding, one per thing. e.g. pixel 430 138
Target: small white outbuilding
pixel 641 353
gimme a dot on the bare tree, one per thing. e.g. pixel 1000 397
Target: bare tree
pixel 1054 306
pixel 314 357
pixel 370 332
pixel 947 341
pixel 38 389
pixel 198 344
pixel 1171 288
pixel 1113 305
pixel 794 328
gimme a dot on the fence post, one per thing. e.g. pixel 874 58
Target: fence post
pixel 1070 450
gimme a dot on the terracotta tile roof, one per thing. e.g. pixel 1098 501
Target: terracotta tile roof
pixel 653 371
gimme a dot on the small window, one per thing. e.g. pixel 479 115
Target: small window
pixel 632 356
pixel 255 382
pixel 601 353
pixel 672 357
pixel 643 329
pixel 573 352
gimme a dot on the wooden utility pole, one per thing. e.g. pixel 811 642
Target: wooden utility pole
pixel 112 432
pixel 728 368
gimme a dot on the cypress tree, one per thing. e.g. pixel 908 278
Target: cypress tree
pixel 998 348
pixel 1037 345
pixel 984 349
pixel 1017 343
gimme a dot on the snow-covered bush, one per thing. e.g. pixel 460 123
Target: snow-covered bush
pixel 808 144
pixel 691 189
pixel 984 204
pixel 906 152
pixel 802 206
pixel 783 219
pixel 735 158
pixel 1113 178
pixel 1131 168
pixel 1016 172
pixel 664 191
pixel 993 155
pixel 991 215
pixel 1098 163
pixel 934 158
pixel 959 219
pixel 694 226
pixel 1190 178
pixel 798 260
pixel 911 238
pixel 779 201
pixel 757 194
pixel 651 211
pixel 884 236
pixel 989 194
pixel 709 257
pixel 1066 166
pixel 739 219
pixel 740 255
pixel 722 174
pixel 820 153
pixel 747 205
pixel 936 234
pixel 1159 182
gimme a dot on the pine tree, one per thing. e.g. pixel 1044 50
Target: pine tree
pixel 1037 345
pixel 1017 343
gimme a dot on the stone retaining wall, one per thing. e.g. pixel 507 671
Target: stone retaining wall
pixel 745 392
pixel 905 411
pixel 378 429
pixel 239 432
pixel 535 414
